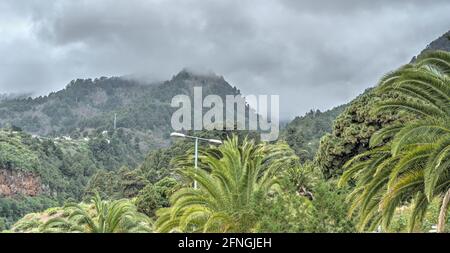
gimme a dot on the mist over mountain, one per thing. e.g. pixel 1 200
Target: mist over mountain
pixel 12 96
pixel 329 53
pixel 87 105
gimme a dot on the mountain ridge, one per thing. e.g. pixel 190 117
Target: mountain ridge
pixel 88 104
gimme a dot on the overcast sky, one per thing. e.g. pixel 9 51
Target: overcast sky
pixel 314 54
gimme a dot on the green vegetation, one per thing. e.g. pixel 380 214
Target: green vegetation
pixel 154 197
pixel 124 183
pixel 11 209
pixel 118 216
pixel 235 176
pixel 352 131
pixel 303 133
pixel 276 199
pixel 413 167
pixel 98 216
pixel 400 219
pixel 308 203
pixel 61 167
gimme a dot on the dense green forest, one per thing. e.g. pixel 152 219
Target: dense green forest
pixel 62 167
pixel 303 134
pixel 378 163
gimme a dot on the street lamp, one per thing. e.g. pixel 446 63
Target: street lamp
pixel 215 141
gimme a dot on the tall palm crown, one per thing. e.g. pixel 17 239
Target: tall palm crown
pixel 232 177
pixel 119 216
pixel 412 160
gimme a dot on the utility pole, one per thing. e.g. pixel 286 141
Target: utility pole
pixel 115 120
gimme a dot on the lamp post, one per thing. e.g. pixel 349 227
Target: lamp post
pixel 196 139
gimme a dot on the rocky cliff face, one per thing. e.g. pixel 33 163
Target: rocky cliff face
pixel 19 183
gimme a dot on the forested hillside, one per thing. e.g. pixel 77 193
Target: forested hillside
pixel 87 105
pixel 38 172
pixel 303 133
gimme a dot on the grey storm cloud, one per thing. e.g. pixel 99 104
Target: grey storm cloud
pixel 314 54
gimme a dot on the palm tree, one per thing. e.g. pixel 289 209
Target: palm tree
pixel 119 216
pixel 231 179
pixel 411 160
